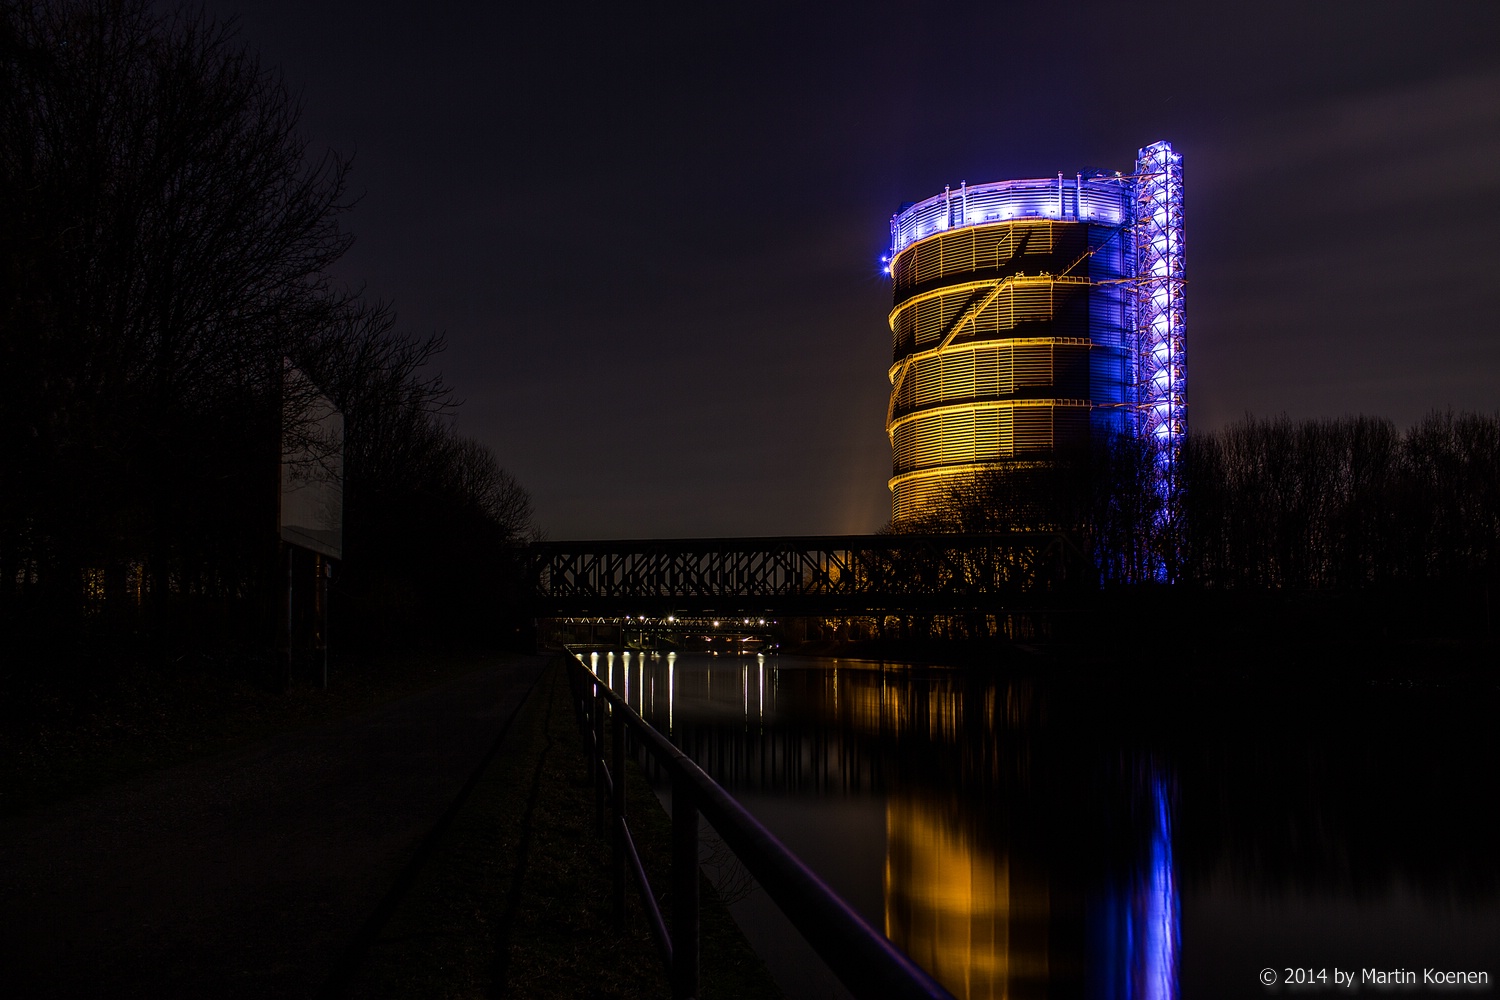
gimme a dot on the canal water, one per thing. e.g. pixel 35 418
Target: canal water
pixel 1023 838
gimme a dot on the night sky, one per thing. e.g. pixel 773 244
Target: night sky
pixel 651 233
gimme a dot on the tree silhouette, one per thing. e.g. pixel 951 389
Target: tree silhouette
pixel 165 244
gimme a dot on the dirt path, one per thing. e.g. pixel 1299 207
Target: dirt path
pixel 248 874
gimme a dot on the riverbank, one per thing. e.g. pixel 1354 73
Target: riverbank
pixel 75 723
pixel 382 841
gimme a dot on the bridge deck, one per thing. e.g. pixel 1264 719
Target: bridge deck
pixel 810 575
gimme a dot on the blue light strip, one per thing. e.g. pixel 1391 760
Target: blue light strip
pixel 1105 200
pixel 1160 327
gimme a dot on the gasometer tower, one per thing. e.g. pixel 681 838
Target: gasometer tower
pixel 1031 317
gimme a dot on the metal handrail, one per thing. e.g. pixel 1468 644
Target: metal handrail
pixel 867 963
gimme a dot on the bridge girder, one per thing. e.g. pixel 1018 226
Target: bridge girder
pixel 816 575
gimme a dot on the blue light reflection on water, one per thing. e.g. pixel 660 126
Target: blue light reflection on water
pixel 1163 931
pixel 1138 930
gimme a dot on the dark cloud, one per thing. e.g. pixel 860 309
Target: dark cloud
pixel 650 231
pixel 1343 255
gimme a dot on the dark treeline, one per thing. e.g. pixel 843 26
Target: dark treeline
pixel 1342 504
pixel 166 240
pixel 1320 507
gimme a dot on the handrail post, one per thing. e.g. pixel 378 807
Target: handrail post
pixel 601 705
pixel 588 704
pixel 684 891
pixel 617 756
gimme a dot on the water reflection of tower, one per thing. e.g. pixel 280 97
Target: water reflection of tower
pixel 1135 933
pixel 1007 857
pixel 1011 872
pixel 1004 911
pixel 976 917
pixel 968 887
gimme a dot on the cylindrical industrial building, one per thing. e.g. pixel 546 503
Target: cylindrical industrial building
pixel 1017 327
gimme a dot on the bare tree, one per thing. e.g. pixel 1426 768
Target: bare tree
pixel 165 244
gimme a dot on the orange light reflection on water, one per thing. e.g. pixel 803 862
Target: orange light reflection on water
pixel 960 911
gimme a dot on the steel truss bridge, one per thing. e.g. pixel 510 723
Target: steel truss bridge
pixel 815 575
